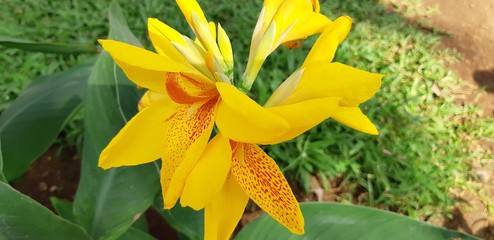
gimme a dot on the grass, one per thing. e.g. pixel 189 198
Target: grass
pixel 423 149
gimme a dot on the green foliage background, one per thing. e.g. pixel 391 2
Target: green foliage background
pixel 424 146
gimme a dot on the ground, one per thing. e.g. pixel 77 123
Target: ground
pixel 468 27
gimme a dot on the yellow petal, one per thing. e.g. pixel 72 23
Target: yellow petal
pixel 262 180
pixel 150 97
pixel 312 24
pixel 187 89
pixel 223 213
pixel 204 34
pixel 225 46
pixel 195 55
pixel 315 4
pixel 243 120
pixel 296 19
pixel 354 118
pixel 161 36
pixel 141 139
pixel 208 176
pixel 305 115
pixel 185 140
pixel 325 79
pixel 257 57
pixel 285 89
pixel 326 45
pixel 145 68
pixel 188 7
pixel 271 7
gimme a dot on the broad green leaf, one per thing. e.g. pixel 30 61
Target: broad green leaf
pixel 23 218
pixel 107 202
pixel 134 233
pixel 2 177
pixel 185 220
pixel 64 208
pixel 339 221
pixel 141 224
pixel 34 120
pixel 60 48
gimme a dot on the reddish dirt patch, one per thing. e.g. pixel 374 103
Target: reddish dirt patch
pixel 53 174
pixel 469 28
pixel 470 25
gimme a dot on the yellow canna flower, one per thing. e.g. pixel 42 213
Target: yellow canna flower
pixel 281 22
pixel 190 90
pixel 177 114
pixel 233 168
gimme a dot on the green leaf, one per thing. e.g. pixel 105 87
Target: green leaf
pixel 339 221
pixel 141 223
pixel 2 177
pixel 34 120
pixel 23 218
pixel 46 47
pixel 134 233
pixel 107 202
pixel 64 208
pixel 185 220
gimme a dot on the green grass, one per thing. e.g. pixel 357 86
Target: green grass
pixel 424 146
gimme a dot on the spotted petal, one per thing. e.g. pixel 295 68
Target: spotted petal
pixel 262 180
pixel 187 88
pixel 185 140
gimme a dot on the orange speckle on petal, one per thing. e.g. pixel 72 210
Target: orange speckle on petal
pixel 262 180
pixel 186 89
pixel 185 141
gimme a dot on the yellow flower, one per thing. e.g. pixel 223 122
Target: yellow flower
pixel 190 90
pixel 281 22
pixel 177 114
pixel 233 168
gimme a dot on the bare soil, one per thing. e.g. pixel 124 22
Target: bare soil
pixel 469 28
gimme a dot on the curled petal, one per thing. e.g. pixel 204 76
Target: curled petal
pixel 324 79
pixel 262 180
pixel 150 97
pixel 304 115
pixel 208 176
pixel 141 139
pixel 225 46
pixel 354 118
pixel 187 88
pixel 325 47
pixel 223 213
pixel 162 36
pixel 296 19
pixel 258 125
pixel 185 140
pixel 188 7
pixel 145 68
